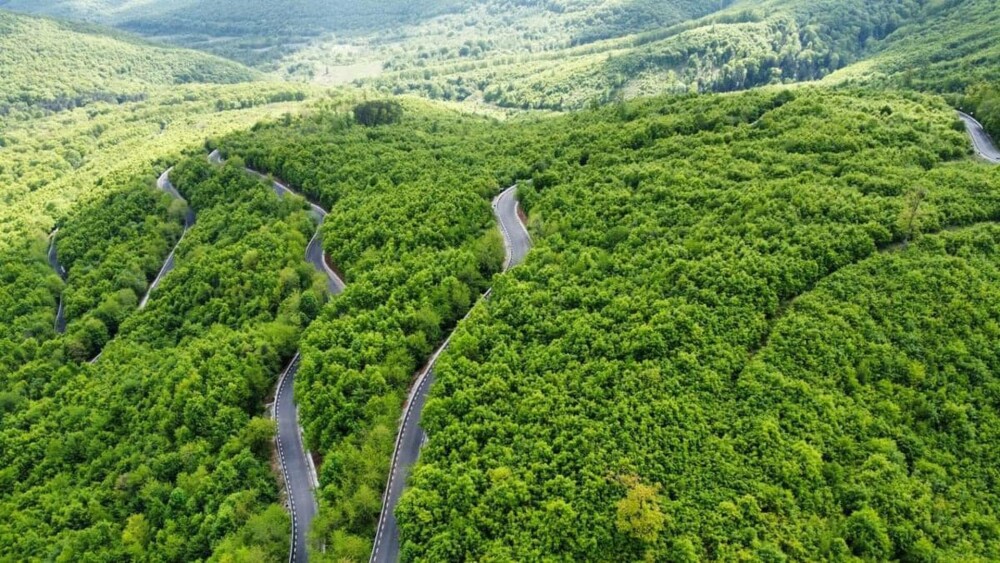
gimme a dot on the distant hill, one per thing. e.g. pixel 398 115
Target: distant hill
pixel 732 46
pixel 224 27
pixel 51 66
pixel 567 54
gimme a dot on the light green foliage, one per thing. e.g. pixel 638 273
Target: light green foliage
pixel 639 514
pixel 50 66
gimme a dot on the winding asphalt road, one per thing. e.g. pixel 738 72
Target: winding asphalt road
pixel 296 464
pixel 980 139
pixel 411 437
pixel 54 263
pixel 163 183
pixel 189 218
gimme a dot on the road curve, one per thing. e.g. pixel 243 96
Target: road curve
pixel 314 251
pixel 53 257
pixel 163 182
pixel 981 140
pixel 410 438
pixel 297 468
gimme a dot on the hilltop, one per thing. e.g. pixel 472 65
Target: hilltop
pixel 52 66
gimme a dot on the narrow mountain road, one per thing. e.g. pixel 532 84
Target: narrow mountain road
pixel 189 218
pixel 53 257
pixel 981 140
pixel 410 438
pixel 297 468
pixel 163 183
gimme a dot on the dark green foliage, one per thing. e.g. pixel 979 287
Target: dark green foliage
pixel 378 112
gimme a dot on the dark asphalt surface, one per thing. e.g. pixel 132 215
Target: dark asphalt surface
pixel 515 234
pixel 980 139
pixel 296 465
pixel 53 256
pixel 517 243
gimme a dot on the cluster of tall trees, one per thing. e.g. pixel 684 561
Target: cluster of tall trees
pixel 378 112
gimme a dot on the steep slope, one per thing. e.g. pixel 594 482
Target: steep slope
pixel 50 66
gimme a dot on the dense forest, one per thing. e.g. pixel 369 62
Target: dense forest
pixel 643 386
pixel 160 447
pixel 714 180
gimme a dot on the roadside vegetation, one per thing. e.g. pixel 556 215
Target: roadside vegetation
pixel 755 325
pixel 161 448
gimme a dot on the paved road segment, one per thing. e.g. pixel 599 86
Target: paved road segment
pixel 297 468
pixel 981 140
pixel 53 257
pixel 189 218
pixel 410 438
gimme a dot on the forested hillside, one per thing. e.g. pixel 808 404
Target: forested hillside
pixel 754 325
pixel 647 386
pixel 639 208
pixel 567 54
pixel 160 448
pixel 736 45
pixel 48 66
